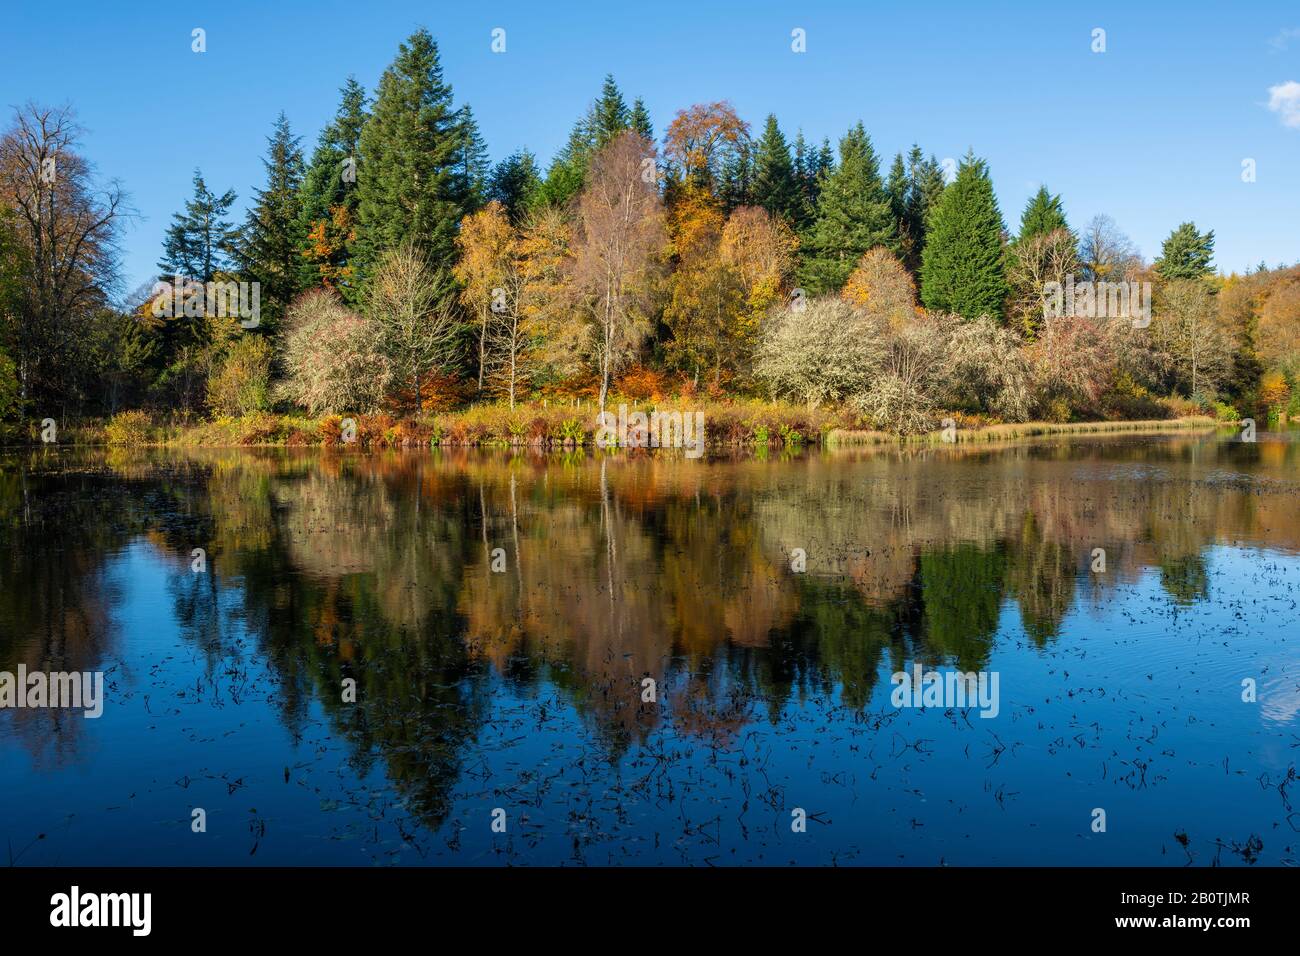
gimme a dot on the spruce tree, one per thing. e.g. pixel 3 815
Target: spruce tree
pixel 963 267
pixel 640 121
pixel 610 115
pixel 853 216
pixel 1186 254
pixel 270 250
pixel 737 185
pixel 776 187
pixel 1043 214
pixel 199 242
pixel 515 183
pixel 412 147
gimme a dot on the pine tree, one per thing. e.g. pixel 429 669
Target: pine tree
pixel 514 183
pixel 853 216
pixel 329 196
pixel 270 250
pixel 1186 254
pixel 963 265
pixel 1043 214
pixel 605 118
pixel 640 120
pixel 776 187
pixel 200 240
pixel 411 150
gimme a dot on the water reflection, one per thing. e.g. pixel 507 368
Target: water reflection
pixel 478 600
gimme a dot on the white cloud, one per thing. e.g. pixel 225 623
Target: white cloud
pixel 1284 100
pixel 1283 39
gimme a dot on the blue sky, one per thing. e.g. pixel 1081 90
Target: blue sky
pixel 1152 132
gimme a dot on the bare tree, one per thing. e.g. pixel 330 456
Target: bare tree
pixel 1187 329
pixel 1031 264
pixel 68 232
pixel 416 323
pixel 617 251
pixel 1106 252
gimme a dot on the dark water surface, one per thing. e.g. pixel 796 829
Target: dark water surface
pixel 521 688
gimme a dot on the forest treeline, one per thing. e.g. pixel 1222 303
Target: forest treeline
pixel 398 271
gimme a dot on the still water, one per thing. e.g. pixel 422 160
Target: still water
pixel 499 614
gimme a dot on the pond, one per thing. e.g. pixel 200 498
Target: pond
pixel 489 658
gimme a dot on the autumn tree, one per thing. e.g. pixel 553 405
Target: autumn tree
pixel 486 242
pixel 617 251
pixel 65 229
pixel 700 139
pixel 881 285
pixel 1186 327
pixel 820 351
pixel 760 250
pixel 416 327
pixel 1032 262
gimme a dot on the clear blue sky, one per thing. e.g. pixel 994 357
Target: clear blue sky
pixel 1152 132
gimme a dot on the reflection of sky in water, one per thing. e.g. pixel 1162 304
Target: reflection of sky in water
pixel 1123 694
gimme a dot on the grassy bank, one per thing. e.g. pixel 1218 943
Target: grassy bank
pixel 726 424
pixel 1019 430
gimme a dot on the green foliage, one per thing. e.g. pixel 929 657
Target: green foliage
pixel 515 184
pixel 241 383
pixel 1043 214
pixel 411 181
pixel 10 393
pixel 775 187
pixel 963 264
pixel 270 250
pixel 1186 254
pixel 853 215
pixel 200 241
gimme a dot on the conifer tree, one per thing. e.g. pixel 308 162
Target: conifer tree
pixel 640 121
pixel 410 179
pixel 1186 254
pixel 514 183
pixel 200 239
pixel 853 216
pixel 1043 214
pixel 776 187
pixel 270 249
pixel 964 260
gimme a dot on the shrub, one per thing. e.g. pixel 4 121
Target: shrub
pixel 825 352
pixel 241 383
pixel 128 428
pixel 331 357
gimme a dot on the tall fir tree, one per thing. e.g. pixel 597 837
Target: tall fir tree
pixel 964 268
pixel 737 180
pixel 200 241
pixel 853 216
pixel 514 183
pixel 776 187
pixel 270 248
pixel 472 165
pixel 610 115
pixel 1186 254
pixel 409 179
pixel 896 190
pixel 1043 214
pixel 605 118
pixel 329 196
pixel 640 120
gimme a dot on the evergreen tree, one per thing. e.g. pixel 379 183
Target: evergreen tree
pixel 1186 254
pixel 1043 214
pixel 610 115
pixel 514 183
pixel 329 197
pixel 737 185
pixel 270 250
pixel 413 147
pixel 896 191
pixel 200 240
pixel 472 164
pixel 963 264
pixel 640 121
pixel 776 187
pixel 852 216
pixel 330 179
